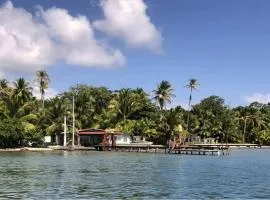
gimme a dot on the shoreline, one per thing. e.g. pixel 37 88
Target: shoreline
pixel 59 148
pixel 25 149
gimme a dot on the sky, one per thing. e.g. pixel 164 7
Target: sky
pixel 225 44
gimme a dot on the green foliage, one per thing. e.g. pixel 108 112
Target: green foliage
pixel 11 133
pixel 127 126
pixel 264 137
pixel 23 122
pixel 163 94
pixel 42 80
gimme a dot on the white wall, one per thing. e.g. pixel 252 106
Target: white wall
pixel 123 139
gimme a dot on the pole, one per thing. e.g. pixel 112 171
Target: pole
pixel 245 126
pixel 73 126
pixel 189 109
pixel 65 131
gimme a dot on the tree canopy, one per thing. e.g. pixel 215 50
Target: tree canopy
pixel 24 121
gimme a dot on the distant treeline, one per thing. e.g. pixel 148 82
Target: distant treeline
pixel 25 119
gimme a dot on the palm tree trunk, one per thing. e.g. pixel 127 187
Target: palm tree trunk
pixel 189 108
pixel 43 102
pixel 244 133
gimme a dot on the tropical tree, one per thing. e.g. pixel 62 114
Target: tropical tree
pixel 5 90
pixel 42 79
pixel 11 133
pixel 21 92
pixel 192 85
pixel 163 94
pixel 250 119
pixel 90 104
pixel 56 110
pixel 210 118
pixel 3 86
pixel 126 103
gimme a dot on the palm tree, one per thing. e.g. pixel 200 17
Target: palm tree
pixel 42 79
pixel 192 85
pixel 249 118
pixel 56 110
pixel 22 92
pixel 3 83
pixel 4 89
pixel 126 103
pixel 163 94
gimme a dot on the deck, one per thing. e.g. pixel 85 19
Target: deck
pixel 131 148
pixel 201 150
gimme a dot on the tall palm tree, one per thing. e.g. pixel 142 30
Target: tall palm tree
pixel 21 92
pixel 163 94
pixel 4 89
pixel 192 85
pixel 42 79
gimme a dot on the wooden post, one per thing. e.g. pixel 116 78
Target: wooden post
pixel 65 131
pixel 73 124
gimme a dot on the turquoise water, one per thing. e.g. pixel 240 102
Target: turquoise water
pixel 244 174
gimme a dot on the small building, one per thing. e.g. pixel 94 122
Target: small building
pixel 100 139
pixel 93 137
pixel 141 140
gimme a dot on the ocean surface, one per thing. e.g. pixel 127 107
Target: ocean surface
pixel 244 174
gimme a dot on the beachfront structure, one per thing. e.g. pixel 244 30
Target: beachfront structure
pixel 141 140
pixel 94 137
pixel 90 137
pixel 123 139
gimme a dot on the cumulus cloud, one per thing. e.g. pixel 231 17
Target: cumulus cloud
pixel 30 42
pixel 24 42
pixel 128 19
pixel 76 42
pixel 258 97
pixel 49 93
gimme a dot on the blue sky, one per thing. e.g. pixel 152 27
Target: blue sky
pixel 224 44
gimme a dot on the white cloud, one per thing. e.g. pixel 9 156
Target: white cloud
pixel 258 97
pixel 1 75
pixel 24 42
pixel 30 42
pixel 128 19
pixel 76 42
pixel 49 93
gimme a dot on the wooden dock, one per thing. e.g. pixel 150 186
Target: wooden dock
pixel 131 148
pixel 198 150
pixel 188 150
pixel 217 150
pixel 230 145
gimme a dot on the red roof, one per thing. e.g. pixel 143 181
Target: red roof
pixel 96 132
pixel 91 133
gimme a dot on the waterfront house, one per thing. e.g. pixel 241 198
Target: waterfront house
pixel 108 137
pixel 94 137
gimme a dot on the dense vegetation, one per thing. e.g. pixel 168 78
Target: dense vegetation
pixel 25 119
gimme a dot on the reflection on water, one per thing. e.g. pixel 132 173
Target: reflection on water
pixel 105 175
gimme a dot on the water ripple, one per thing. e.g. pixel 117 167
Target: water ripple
pixel 109 175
